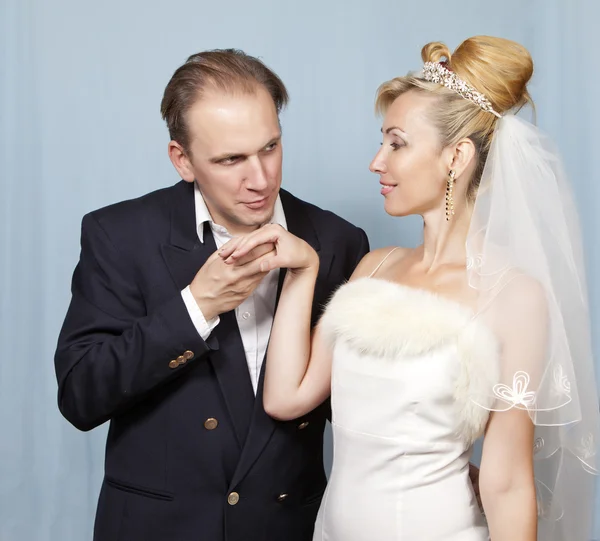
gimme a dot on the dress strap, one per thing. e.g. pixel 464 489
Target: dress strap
pixel 382 261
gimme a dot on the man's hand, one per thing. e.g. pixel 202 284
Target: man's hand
pixel 218 287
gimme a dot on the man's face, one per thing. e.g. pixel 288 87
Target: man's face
pixel 235 157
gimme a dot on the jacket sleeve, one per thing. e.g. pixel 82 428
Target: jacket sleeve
pixel 111 353
pixel 361 249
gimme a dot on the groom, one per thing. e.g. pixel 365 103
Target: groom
pixel 167 343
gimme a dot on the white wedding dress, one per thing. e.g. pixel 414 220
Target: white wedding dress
pixel 405 363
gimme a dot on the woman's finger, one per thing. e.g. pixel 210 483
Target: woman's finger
pixel 252 241
pixel 254 254
pixel 264 264
pixel 229 247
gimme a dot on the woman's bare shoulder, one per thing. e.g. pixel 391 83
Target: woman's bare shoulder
pixel 376 258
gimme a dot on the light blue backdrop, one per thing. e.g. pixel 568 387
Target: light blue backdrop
pixel 80 87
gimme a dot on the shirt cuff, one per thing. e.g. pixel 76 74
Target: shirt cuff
pixel 203 327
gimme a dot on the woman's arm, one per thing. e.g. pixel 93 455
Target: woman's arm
pixel 298 372
pixel 506 477
pixel 506 480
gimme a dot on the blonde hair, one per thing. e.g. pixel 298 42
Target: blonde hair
pixel 498 68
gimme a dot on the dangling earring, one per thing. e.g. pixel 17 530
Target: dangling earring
pixel 449 198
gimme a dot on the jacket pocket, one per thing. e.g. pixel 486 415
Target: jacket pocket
pixel 140 491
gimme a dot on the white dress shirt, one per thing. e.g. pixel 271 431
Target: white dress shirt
pixel 255 315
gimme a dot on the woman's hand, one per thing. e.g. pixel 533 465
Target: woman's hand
pixel 290 251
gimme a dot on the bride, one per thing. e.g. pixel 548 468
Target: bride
pixel 482 330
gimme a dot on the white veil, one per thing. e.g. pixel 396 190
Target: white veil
pixel 525 259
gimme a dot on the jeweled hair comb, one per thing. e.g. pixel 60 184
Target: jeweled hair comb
pixel 436 72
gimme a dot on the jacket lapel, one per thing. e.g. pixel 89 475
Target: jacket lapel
pixel 184 256
pixel 262 426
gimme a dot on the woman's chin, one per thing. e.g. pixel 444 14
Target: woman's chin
pixel 396 210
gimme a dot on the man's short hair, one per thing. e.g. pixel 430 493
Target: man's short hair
pixel 227 70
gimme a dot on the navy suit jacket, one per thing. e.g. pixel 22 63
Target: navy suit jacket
pixel 128 353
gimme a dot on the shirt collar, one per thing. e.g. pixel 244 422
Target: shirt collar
pixel 203 215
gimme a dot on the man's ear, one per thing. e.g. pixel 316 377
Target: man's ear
pixel 180 161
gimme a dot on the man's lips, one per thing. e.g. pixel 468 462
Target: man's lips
pixel 257 203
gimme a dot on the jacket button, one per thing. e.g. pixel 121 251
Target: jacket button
pixel 173 364
pixel 211 423
pixel 188 355
pixel 233 498
pixel 303 425
pixel 181 359
pixel 282 497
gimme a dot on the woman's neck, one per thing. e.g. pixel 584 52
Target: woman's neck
pixel 444 241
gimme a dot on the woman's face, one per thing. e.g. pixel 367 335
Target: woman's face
pixel 412 166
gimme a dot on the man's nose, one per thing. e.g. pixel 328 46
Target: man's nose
pixel 257 178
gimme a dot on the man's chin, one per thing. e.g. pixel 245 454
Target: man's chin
pixel 259 216
pixel 253 221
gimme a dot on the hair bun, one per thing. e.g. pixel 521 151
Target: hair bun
pixel 434 51
pixel 497 67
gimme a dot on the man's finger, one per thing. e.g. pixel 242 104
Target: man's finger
pixel 212 257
